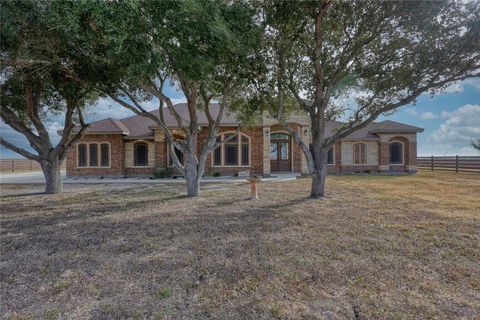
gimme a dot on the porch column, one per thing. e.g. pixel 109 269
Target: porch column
pixel 304 134
pixel 411 162
pixel 266 151
pixel 160 149
pixel 384 154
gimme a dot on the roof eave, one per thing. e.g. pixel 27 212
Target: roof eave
pixel 396 130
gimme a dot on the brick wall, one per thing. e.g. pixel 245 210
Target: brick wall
pixel 117 165
pixel 409 142
pixel 121 156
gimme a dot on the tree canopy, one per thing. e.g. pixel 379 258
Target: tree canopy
pixel 377 55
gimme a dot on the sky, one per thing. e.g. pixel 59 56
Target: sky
pixel 451 120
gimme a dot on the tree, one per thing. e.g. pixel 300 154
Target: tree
pixel 380 54
pixel 36 83
pixel 476 145
pixel 201 46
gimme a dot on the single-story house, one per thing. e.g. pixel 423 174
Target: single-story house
pixel 135 146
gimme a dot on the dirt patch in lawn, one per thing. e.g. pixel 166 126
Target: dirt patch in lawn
pixel 405 247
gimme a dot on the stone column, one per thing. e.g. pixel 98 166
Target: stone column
pixel 304 134
pixel 411 164
pixel 266 151
pixel 160 149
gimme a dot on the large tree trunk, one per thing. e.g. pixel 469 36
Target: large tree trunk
pixel 53 177
pixel 191 176
pixel 193 181
pixel 318 181
pixel 319 155
pixel 193 187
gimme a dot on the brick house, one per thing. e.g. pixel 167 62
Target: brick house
pixel 136 146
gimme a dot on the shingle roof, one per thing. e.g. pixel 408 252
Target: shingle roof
pixel 108 125
pixel 140 127
pixel 392 126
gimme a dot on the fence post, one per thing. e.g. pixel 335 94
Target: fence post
pixel 456 163
pixel 13 165
pixel 432 162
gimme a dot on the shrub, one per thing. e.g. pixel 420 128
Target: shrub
pixel 161 173
pixel 164 293
pixel 217 174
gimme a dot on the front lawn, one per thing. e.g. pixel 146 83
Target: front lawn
pixel 405 247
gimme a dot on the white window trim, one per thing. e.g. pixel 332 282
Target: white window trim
pixel 99 155
pixel 148 154
pixel 239 151
pixel 403 153
pixel 366 155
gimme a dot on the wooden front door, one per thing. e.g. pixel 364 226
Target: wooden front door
pixel 280 152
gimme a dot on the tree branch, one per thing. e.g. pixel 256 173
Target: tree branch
pixel 19 150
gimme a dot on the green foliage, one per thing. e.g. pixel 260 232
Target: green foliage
pixel 389 51
pixel 36 51
pixel 476 145
pixel 164 293
pixel 217 174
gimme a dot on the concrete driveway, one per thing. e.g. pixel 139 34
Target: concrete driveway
pixel 37 177
pixel 24 177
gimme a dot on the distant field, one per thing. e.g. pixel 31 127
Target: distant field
pixel 377 247
pixel 20 165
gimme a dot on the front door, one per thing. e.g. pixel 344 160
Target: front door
pixel 279 152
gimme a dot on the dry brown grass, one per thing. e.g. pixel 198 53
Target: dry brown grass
pixel 405 247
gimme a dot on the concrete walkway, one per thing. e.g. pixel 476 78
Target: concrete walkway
pixel 37 177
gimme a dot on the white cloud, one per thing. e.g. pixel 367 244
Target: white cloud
pixel 459 86
pixel 106 108
pixel 455 87
pixel 473 82
pixel 461 126
pixel 412 111
pixel 428 116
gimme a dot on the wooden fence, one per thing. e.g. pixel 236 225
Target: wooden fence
pixel 20 165
pixel 453 163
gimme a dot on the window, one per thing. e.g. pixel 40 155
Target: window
pixel 359 153
pixel 245 153
pixel 396 153
pixel 179 154
pixel 330 156
pixel 233 152
pixel 93 154
pixel 217 157
pixel 82 155
pixel 105 155
pixel 140 154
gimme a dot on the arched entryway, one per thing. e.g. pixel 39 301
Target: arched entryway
pixel 280 152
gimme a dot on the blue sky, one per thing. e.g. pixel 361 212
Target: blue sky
pixel 450 119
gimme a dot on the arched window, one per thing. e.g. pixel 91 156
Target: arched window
pixel 105 154
pixel 140 154
pixel 330 158
pixel 359 153
pixel 234 151
pixel 82 155
pixel 396 153
pixel 93 155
